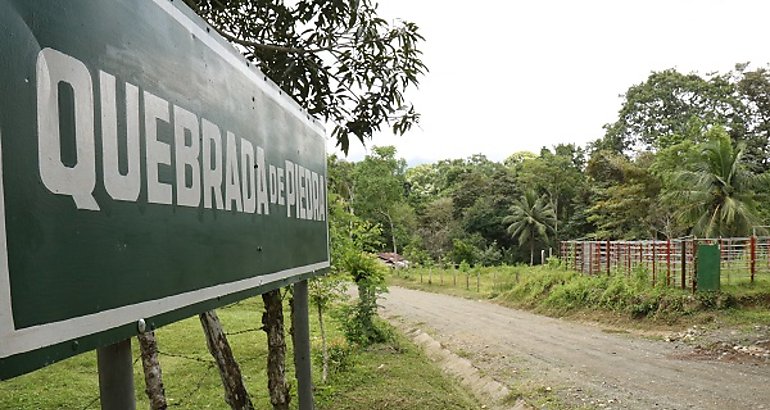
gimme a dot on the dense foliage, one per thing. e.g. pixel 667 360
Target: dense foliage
pixel 338 59
pixel 688 155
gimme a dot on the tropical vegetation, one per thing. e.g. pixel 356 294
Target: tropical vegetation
pixel 688 155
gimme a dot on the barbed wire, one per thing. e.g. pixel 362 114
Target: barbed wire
pixel 182 356
pixel 239 332
pixel 198 385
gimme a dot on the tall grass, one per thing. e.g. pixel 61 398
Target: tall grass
pixel 553 289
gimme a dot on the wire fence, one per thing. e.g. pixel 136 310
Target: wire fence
pixel 672 261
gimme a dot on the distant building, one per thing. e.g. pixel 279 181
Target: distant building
pixel 393 260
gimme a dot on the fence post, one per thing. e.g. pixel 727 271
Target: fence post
pixel 654 260
pixel 608 257
pixel 574 255
pixel 668 262
pixel 598 258
pixel 694 266
pixel 683 251
pixel 628 259
pixel 753 260
pixel 590 258
pixel 467 281
pixel 582 256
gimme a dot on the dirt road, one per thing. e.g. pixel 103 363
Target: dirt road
pixel 581 363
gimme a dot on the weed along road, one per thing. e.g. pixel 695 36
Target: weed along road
pixel 580 363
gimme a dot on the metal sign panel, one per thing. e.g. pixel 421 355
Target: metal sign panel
pixel 148 172
pixel 707 267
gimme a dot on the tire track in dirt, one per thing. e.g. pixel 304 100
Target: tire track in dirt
pixel 581 361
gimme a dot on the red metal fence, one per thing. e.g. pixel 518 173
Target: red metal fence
pixel 670 262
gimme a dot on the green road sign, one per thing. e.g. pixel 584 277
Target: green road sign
pixel 148 172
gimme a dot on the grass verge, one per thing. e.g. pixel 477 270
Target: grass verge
pixel 628 301
pixel 394 375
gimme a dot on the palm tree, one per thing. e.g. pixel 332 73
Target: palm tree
pixel 531 217
pixel 717 196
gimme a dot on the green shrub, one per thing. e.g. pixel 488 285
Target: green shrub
pixel 358 322
pixel 339 356
pixel 563 291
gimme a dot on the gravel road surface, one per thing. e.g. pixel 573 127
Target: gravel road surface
pixel 582 363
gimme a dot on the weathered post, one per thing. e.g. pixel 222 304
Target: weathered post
pixel 272 325
pixel 116 376
pixel 609 255
pixel 467 281
pixel 236 395
pixel 153 377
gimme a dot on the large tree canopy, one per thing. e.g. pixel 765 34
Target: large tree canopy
pixel 670 107
pixel 339 59
pixel 665 108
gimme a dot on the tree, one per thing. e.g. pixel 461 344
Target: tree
pixel 624 196
pixel 337 58
pixel 380 190
pixel 667 103
pixel 753 87
pixel 557 174
pixel 531 217
pixel 340 180
pixel 437 227
pixel 717 198
pixel 352 238
pixel 324 291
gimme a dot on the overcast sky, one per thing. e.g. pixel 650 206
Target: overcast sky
pixel 508 76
